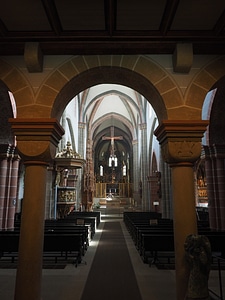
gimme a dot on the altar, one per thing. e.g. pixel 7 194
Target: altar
pixel 112 202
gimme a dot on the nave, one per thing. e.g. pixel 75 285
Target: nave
pixel 69 283
pixel 85 281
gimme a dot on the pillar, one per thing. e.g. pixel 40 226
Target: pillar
pixel 136 174
pixel 209 170
pixel 9 163
pixel 81 151
pixel 220 178
pixel 144 168
pixel 13 189
pixel 181 146
pixel 37 140
pixel 215 174
pixel 4 149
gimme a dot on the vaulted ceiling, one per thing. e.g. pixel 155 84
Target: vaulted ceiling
pixel 112 26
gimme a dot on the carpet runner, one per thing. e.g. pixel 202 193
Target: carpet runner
pixel 111 275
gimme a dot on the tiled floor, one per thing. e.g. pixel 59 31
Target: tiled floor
pixel 68 283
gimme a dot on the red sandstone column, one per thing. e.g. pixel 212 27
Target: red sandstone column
pixel 181 146
pixel 209 169
pixel 220 179
pixel 12 192
pixel 3 176
pixel 36 142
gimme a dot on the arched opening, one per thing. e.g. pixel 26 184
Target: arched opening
pixel 114 127
pixel 109 75
pixel 210 173
pixel 9 160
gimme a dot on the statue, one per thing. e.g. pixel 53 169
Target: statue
pixel 198 255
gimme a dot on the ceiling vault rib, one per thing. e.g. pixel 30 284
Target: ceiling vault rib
pixel 3 29
pixel 110 16
pixel 220 25
pixel 52 16
pixel 168 16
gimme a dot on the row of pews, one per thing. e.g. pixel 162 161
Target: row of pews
pixel 153 236
pixel 65 239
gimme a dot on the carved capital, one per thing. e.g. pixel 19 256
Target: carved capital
pixel 37 139
pixel 181 140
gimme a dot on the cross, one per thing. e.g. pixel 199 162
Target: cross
pixel 112 137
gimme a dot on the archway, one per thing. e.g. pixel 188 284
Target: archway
pixel 9 160
pixel 214 154
pixel 113 75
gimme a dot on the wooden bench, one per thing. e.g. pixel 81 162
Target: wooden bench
pixel 72 230
pixel 65 244
pixel 152 244
pixel 58 244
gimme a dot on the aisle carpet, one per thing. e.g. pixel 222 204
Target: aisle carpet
pixel 111 276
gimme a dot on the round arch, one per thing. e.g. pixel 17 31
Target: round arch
pixel 114 75
pixel 6 112
pixel 138 72
pixel 217 122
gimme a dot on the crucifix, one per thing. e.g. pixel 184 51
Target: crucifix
pixel 112 138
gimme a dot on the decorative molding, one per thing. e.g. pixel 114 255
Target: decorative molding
pixel 37 139
pixel 181 140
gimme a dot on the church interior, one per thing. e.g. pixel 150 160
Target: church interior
pixel 112 132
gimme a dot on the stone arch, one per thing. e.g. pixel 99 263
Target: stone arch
pixel 202 83
pixel 6 112
pixel 217 122
pixel 18 85
pixel 137 72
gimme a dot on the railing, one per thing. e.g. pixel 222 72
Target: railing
pixel 218 291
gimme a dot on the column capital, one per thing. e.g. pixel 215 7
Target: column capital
pixel 181 140
pixel 81 125
pixel 37 138
pixel 143 126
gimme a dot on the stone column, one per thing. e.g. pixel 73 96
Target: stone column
pixel 215 174
pixel 209 170
pixel 166 201
pixel 181 147
pixel 136 174
pixel 13 190
pixel 81 150
pixel 144 167
pixel 220 178
pixel 37 140
pixel 4 151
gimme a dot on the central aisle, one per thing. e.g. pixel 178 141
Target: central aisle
pixel 111 275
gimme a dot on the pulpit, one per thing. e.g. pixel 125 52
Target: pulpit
pixel 66 163
pixel 66 200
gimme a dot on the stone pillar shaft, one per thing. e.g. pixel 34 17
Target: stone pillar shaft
pixel 215 174
pixel 37 140
pixel 12 192
pixel 29 271
pixel 136 175
pixel 184 218
pixel 181 147
pixel 144 167
pixel 3 176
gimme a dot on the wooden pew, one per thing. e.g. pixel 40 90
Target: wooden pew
pixel 153 241
pixel 65 243
pixel 152 244
pixel 92 221
pixel 58 244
